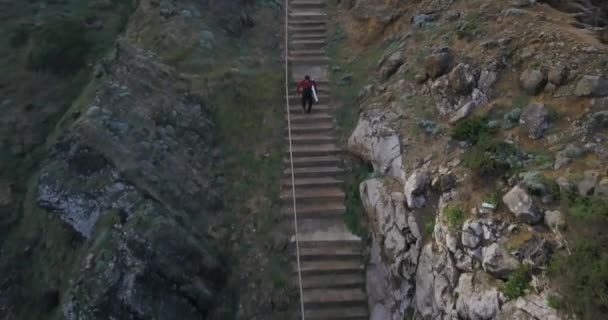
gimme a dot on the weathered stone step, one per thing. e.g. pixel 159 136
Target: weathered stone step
pixel 334 297
pixel 307 15
pixel 329 192
pixel 307 23
pixel 297 99
pixel 309 117
pixel 336 266
pixel 296 30
pixel 331 281
pixel 311 182
pixel 316 108
pixel 321 128
pixel 316 211
pixel 307 4
pixel 340 313
pixel 323 60
pixel 307 53
pixel 306 44
pixel 309 36
pixel 311 139
pixel 311 150
pixel 330 250
pixel 314 172
pixel 322 161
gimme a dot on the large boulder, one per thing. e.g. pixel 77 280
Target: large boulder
pixel 438 63
pixel 478 296
pixel 463 78
pixel 533 80
pixel 530 307
pixel 535 119
pixel 522 205
pixel 374 141
pixel 498 262
pixel 389 65
pixel 592 86
pixel 416 188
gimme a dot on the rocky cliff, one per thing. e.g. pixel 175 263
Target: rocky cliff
pixel 483 123
pixel 113 219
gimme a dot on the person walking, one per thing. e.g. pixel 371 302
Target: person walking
pixel 306 87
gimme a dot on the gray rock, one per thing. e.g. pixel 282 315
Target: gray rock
pixel 498 262
pixel 478 298
pixel 416 187
pixel 558 74
pixel 472 233
pixel 523 3
pixel 565 156
pixel 522 205
pixel 533 81
pixel 592 86
pixel 463 78
pixel 478 99
pixel 389 65
pixel 438 64
pixel 555 219
pixel 444 182
pixel 587 185
pixel 421 20
pixel 599 120
pixel 486 80
pixel 535 120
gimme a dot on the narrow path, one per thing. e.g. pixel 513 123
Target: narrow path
pixel 331 257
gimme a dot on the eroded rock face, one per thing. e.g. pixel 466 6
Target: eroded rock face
pixel 533 81
pixel 535 120
pixel 498 262
pixel 478 296
pixel 395 248
pixel 521 204
pixel 374 141
pixel 128 176
pixel 416 187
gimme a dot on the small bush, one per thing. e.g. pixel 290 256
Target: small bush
pixel 583 277
pixel 19 36
pixel 473 130
pixel 517 283
pixel 60 47
pixel 491 157
pixel 554 302
pixel 429 227
pixel 580 206
pixel 455 216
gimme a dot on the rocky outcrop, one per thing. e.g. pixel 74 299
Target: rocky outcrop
pixel 535 120
pixel 128 176
pixel 478 296
pixel 522 205
pixel 416 187
pixel 395 248
pixel 374 141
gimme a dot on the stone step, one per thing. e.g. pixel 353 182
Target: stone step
pixel 298 98
pixel 330 250
pixel 312 117
pixel 307 4
pixel 320 128
pixel 299 15
pixel 323 161
pixel 326 266
pixel 309 36
pixel 318 195
pixel 306 44
pixel 311 139
pixel 316 108
pixel 311 150
pixel 311 183
pixel 334 297
pixel 316 211
pixel 307 53
pixel 317 60
pixel 354 280
pixel 338 313
pixel 293 30
pixel 307 23
pixel 313 172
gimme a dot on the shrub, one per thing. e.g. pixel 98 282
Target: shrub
pixel 583 277
pixel 491 157
pixel 19 36
pixel 454 215
pixel 59 47
pixel 472 129
pixel 429 227
pixel 517 283
pixel 580 206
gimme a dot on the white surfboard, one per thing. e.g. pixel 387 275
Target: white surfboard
pixel 314 94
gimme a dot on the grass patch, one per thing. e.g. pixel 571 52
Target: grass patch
pixel 518 283
pixel 429 227
pixel 455 216
pixel 581 207
pixel 59 47
pixel 355 213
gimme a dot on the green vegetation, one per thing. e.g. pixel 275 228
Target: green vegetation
pixel 517 283
pixel 355 218
pixel 469 29
pixel 472 130
pixel 429 227
pixel 580 207
pixel 555 302
pixel 455 216
pixel 59 47
pixel 490 157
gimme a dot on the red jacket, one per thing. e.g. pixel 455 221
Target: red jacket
pixel 306 84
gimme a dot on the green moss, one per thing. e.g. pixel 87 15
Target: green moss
pixel 60 47
pixel 455 216
pixel 517 283
pixel 355 213
pixel 429 227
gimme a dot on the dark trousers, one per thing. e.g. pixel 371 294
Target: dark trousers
pixel 307 100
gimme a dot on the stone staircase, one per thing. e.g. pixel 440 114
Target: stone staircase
pixel 332 268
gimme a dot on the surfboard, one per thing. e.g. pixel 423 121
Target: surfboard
pixel 314 94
